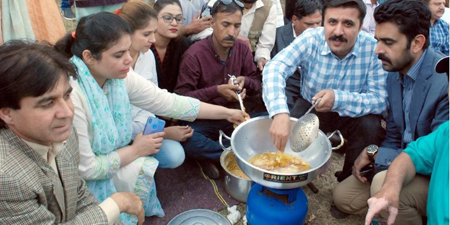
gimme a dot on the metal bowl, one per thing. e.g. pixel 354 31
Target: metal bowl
pixel 237 187
pixel 199 217
pixel 252 137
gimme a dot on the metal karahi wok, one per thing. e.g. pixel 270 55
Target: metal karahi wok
pixel 252 137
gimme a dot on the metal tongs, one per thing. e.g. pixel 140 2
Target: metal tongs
pixel 238 93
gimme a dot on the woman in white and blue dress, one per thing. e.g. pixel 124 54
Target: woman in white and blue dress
pixel 103 93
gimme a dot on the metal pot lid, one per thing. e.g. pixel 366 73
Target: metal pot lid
pixel 199 217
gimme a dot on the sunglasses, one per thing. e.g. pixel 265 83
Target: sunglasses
pixel 227 2
pixel 169 19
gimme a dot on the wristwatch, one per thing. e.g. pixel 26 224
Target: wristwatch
pixel 371 152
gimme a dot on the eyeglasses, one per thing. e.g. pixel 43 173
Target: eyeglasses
pixel 169 19
pixel 227 2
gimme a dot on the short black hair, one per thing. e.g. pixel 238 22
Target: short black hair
pixel 219 7
pixel 411 16
pixel 356 4
pixel 289 9
pixel 29 69
pixel 307 7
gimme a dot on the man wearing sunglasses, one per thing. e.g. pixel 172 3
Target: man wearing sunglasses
pixel 259 22
pixel 339 65
pixel 205 72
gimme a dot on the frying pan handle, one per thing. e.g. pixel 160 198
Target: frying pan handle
pixel 221 134
pixel 340 137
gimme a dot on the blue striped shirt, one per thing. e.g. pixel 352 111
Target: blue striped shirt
pixel 408 82
pixel 439 35
pixel 358 80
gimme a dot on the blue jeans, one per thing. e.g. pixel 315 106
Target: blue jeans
pixel 170 155
pixel 65 4
pixel 204 142
pixel 82 12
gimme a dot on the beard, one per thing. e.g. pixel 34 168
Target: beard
pixel 404 61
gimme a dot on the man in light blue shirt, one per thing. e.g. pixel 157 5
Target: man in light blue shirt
pixel 439 31
pixel 338 64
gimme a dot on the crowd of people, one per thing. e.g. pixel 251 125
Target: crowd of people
pixel 73 108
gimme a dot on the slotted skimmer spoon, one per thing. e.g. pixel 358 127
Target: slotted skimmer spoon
pixel 305 130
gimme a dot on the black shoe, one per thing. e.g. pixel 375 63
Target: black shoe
pixel 210 169
pixel 68 14
pixel 336 213
pixel 339 176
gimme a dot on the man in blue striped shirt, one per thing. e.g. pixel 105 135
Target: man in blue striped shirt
pixel 338 64
pixel 439 32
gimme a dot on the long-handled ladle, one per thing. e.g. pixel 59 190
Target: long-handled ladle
pixel 305 130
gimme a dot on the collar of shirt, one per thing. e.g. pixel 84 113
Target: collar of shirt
pixel 258 4
pixel 43 150
pixel 247 18
pixel 140 57
pixel 414 70
pixel 438 22
pixel 442 23
pixel 160 62
pixel 293 31
pixel 326 49
pixel 211 44
pixel 369 3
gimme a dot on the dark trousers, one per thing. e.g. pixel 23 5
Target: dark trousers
pixel 359 132
pixel 65 4
pixel 292 89
pixel 204 143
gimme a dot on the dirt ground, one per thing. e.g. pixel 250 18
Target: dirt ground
pixel 319 204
